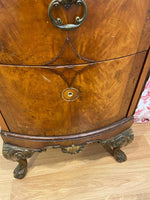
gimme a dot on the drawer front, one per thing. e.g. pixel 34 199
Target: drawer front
pixel 110 30
pixel 63 101
pixel 27 37
pixel 113 29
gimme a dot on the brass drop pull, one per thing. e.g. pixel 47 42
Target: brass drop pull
pixel 67 3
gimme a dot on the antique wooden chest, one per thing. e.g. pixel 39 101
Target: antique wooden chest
pixel 71 73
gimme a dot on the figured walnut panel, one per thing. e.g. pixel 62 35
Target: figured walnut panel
pixel 31 100
pixel 106 92
pixel 31 97
pixel 112 29
pixel 26 34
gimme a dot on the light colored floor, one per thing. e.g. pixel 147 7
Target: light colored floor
pixel 91 175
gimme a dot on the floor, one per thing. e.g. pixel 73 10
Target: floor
pixel 91 175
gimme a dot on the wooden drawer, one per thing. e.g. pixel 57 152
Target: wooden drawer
pixel 112 29
pixel 32 98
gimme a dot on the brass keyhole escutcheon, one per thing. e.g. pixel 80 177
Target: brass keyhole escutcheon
pixel 70 94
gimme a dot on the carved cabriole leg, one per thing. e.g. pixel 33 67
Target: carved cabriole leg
pixel 20 155
pixel 113 145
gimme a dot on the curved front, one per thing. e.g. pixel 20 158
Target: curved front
pixel 111 29
pixel 41 142
pixel 33 101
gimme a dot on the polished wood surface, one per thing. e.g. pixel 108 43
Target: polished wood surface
pixel 116 29
pixel 142 79
pixel 90 175
pixel 101 64
pixel 32 104
pixel 111 29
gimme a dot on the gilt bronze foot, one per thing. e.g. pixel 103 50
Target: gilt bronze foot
pixel 19 155
pixel 113 145
pixel 73 149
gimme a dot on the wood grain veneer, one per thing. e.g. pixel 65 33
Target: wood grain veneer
pixel 32 104
pixel 140 85
pixel 116 29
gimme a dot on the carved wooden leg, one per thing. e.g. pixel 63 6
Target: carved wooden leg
pixel 20 155
pixel 113 145
pixel 119 155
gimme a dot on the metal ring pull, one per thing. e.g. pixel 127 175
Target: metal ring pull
pixel 67 3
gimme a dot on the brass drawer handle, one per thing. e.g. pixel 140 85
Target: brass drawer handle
pixel 67 3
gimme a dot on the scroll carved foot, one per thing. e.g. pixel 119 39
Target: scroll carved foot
pixel 21 169
pixel 113 145
pixel 119 155
pixel 19 155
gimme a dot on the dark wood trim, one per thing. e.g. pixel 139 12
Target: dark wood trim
pixel 61 51
pixel 69 137
pixel 3 123
pixel 72 65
